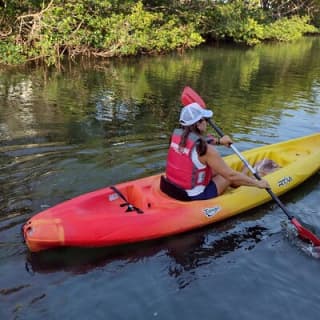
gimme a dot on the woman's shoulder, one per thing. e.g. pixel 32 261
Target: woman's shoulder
pixel 211 151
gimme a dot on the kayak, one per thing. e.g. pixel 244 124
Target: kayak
pixel 138 210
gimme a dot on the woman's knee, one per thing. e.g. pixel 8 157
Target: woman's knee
pixel 221 183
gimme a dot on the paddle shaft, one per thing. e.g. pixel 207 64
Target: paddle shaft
pixel 253 171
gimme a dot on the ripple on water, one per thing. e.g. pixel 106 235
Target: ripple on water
pixel 22 166
pixel 292 235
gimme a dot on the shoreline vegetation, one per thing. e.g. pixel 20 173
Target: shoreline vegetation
pixel 46 31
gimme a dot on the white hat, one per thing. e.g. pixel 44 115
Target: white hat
pixel 192 113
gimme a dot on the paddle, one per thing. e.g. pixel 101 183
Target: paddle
pixel 189 96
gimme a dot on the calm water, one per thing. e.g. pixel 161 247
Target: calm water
pixel 98 123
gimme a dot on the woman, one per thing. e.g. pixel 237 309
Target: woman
pixel 194 166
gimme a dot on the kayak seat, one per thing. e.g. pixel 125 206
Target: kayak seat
pixel 172 190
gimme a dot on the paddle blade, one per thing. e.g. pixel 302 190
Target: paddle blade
pixel 189 96
pixel 305 234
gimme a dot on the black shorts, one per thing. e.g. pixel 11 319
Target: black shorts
pixel 209 192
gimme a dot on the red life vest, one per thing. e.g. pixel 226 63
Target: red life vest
pixel 180 169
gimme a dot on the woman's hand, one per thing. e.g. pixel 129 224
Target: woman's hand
pixel 226 141
pixel 263 184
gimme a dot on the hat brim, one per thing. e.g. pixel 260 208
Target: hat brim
pixel 207 113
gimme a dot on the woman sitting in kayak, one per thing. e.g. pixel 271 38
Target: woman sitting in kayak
pixel 195 170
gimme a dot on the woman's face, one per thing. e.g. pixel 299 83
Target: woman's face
pixel 202 125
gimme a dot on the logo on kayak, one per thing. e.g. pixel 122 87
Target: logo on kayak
pixel 113 197
pixel 284 181
pixel 210 212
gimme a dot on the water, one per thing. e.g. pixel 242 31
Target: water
pixel 98 123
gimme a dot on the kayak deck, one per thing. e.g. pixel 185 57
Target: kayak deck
pixel 103 218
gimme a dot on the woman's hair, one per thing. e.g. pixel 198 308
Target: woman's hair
pixel 201 143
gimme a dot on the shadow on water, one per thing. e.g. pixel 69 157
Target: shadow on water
pixel 187 251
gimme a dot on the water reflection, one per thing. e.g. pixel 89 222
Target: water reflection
pixel 244 86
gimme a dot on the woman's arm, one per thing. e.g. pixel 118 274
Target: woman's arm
pixel 219 166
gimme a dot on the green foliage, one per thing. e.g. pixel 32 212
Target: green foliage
pixel 101 28
pixel 143 31
pixel 11 53
pixel 234 21
pixel 250 25
pixel 47 30
pixel 251 32
pixel 289 29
